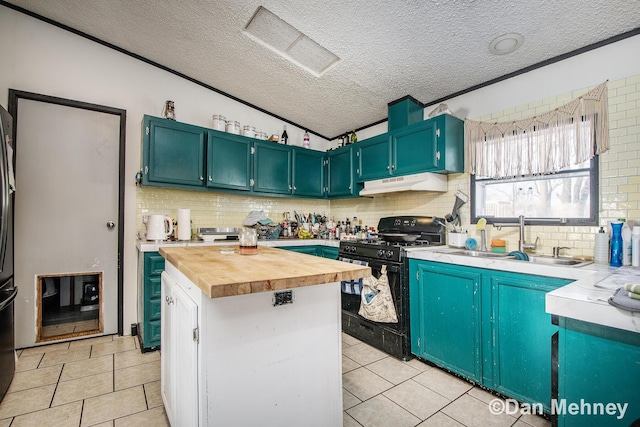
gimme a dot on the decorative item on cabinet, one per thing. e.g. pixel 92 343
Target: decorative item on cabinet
pixel 169 111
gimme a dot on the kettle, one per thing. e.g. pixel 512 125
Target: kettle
pixel 159 227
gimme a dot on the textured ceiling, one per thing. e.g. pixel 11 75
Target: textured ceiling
pixel 428 49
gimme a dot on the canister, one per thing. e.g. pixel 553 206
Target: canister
pixel 219 122
pixel 249 131
pixel 233 127
pixel 262 135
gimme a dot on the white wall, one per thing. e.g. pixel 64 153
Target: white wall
pixel 38 57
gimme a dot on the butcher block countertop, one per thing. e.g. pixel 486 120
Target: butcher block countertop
pixel 220 275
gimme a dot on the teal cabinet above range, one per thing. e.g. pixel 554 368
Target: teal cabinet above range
pixel 434 145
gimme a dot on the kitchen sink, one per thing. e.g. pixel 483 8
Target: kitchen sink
pixel 539 259
pixel 481 254
pixel 567 262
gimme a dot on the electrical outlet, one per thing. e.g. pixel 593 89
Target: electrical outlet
pixel 283 297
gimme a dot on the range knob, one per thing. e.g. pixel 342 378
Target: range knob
pixel 389 254
pixel 352 249
pixel 380 253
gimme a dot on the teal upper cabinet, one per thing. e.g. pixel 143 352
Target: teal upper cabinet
pixel 229 161
pixel 415 149
pixel 340 172
pixel 173 152
pixel 449 144
pixel 434 145
pixel 272 168
pixel 374 158
pixel 308 172
pixel 180 155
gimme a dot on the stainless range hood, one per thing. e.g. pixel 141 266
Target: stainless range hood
pixel 425 181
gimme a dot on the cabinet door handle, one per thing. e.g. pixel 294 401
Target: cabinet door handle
pixel 202 178
pixel 295 188
pixel 210 179
pixel 146 170
pixel 393 166
pixel 388 167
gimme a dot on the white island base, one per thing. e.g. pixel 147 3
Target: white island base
pixel 252 363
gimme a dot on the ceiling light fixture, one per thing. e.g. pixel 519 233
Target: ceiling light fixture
pixel 278 35
pixel 506 43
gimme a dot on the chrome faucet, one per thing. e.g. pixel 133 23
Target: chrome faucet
pixel 522 245
pixel 557 249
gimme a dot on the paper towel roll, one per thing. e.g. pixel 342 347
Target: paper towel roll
pixel 602 248
pixel 184 224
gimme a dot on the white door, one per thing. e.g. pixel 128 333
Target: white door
pixel 67 204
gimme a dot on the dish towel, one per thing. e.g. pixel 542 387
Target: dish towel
pixel 633 289
pixel 353 287
pixel 622 300
pixel 376 302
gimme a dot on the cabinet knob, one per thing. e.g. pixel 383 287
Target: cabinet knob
pixel 388 167
pixel 202 178
pixel 393 166
pixel 295 188
pixel 210 179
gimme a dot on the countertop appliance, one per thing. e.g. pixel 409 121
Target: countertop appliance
pixel 159 227
pixel 8 290
pixel 394 234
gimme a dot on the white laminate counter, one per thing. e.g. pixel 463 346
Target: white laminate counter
pixel 580 299
pixel 155 245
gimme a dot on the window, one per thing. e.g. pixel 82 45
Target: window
pixel 568 197
pixel 543 167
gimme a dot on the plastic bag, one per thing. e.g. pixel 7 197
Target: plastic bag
pixel 376 302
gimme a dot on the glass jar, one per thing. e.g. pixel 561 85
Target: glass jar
pixel 248 238
pixel 219 122
pixel 249 131
pixel 233 127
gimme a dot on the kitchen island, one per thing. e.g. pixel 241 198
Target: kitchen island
pixel 252 339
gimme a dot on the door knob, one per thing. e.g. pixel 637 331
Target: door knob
pixel 111 225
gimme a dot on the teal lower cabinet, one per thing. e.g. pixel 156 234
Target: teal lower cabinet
pixel 149 301
pixel 445 316
pixel 522 333
pixel 316 250
pixel 486 325
pixel 598 374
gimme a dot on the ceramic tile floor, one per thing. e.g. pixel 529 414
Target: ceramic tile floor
pixel 106 381
pixel 103 381
pixel 382 391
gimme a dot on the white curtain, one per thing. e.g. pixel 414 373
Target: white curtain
pixel 541 144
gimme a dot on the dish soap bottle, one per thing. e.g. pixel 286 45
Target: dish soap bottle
pixel 616 244
pixel 626 242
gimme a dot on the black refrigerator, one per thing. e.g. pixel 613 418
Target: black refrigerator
pixel 8 290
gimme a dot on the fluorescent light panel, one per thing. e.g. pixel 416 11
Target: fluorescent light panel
pixel 284 39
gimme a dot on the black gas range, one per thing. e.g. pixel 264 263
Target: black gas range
pixel 394 235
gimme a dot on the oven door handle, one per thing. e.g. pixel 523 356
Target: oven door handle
pixel 377 265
